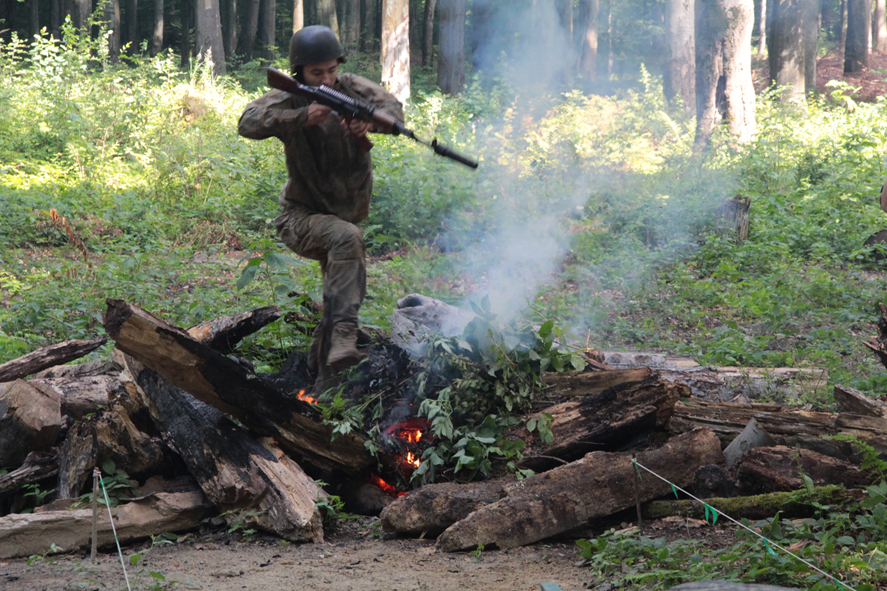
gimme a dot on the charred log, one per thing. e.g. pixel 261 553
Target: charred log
pixel 223 334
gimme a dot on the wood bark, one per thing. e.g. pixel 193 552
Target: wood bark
pixel 577 385
pixel 31 534
pixel 36 467
pixel 350 26
pixel 451 61
pixel 55 18
pixel 431 509
pixel 763 23
pixel 298 15
pixel 780 468
pixel 238 473
pixel 157 30
pixel 879 27
pixel 607 420
pixel 793 428
pixel 587 23
pixel 246 43
pixel 679 83
pixel 78 396
pixel 396 47
pixel 47 357
pixel 371 34
pixel 131 19
pixel 208 34
pixel 266 28
pixel 428 33
pixel 186 21
pixel 111 11
pixel 30 420
pixel 859 31
pixel 855 402
pixel 786 49
pixel 34 18
pixel 727 383
pixel 218 381
pixel 80 14
pixel 223 334
pixel 724 90
pixel 562 499
pixel 326 14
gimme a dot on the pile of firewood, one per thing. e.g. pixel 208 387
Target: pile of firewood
pixel 204 434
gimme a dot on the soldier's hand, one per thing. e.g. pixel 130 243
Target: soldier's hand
pixel 317 114
pixel 357 127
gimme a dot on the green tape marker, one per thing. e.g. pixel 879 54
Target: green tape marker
pixel 675 491
pixel 769 549
pixel 705 506
pixel 636 469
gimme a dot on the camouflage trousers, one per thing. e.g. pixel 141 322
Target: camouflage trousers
pixel 339 247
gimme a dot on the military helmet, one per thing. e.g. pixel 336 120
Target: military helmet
pixel 313 45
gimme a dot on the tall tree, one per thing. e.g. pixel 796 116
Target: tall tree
pixel 111 12
pixel 587 25
pixel 269 23
pixel 80 16
pixel 879 28
pixel 428 33
pixel 762 26
pixel 229 26
pixel 785 48
pixel 451 62
pixel 208 34
pixel 298 15
pixel 350 26
pixel 812 26
pixel 396 47
pixel 369 36
pixel 859 30
pixel 185 20
pixel 565 13
pixel 34 18
pixel 326 14
pixel 680 72
pixel 246 44
pixel 131 16
pixel 157 34
pixel 724 90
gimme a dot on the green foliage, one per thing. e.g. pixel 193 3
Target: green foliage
pixel 117 484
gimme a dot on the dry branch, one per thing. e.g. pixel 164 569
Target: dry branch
pixel 48 357
pixel 223 334
pixel 37 466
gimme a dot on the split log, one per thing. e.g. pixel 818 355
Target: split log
pixel 570 496
pixel 728 383
pixel 223 334
pixel 109 434
pixel 242 476
pixel 30 420
pixel 218 381
pixel 576 385
pixel 30 534
pixel 790 427
pixel 48 357
pixel 431 509
pixel 78 396
pixel 606 420
pixel 855 402
pixel 37 466
pixel 780 468
pixel 798 503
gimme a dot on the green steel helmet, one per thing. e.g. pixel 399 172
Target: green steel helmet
pixel 313 45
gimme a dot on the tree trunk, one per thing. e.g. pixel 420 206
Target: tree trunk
pixel 350 24
pixel 269 22
pixel 131 16
pixel 724 90
pixel 786 49
pixel 781 469
pixel 587 24
pixel 47 357
pixel 185 41
pixel 369 35
pixel 879 29
pixel 34 19
pixel 230 26
pixel 762 25
pixel 396 47
pixel 428 33
pixel 812 27
pixel 859 30
pixel 298 15
pixel 680 72
pixel 208 33
pixel 157 35
pixel 451 63
pixel 326 15
pixel 571 496
pixel 246 44
pixel 80 16
pixel 55 18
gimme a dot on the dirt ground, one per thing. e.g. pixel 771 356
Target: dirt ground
pixel 354 558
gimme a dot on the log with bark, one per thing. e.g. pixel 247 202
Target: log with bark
pixel 34 533
pixel 244 477
pixel 223 334
pixel 79 396
pixel 218 381
pixel 30 420
pixel 570 496
pixel 780 469
pixel 576 385
pixel 607 420
pixel 37 466
pixel 855 402
pixel 48 357
pixel 726 383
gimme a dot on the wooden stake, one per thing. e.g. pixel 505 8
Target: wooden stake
pixel 637 496
pixel 95 513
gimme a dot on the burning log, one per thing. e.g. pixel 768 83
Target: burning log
pixel 30 420
pixel 223 334
pixel 218 381
pixel 48 357
pixel 570 496
pixel 607 419
pixel 434 507
pixel 793 428
pixel 775 469
pixel 37 466
pixel 30 534
pixel 239 474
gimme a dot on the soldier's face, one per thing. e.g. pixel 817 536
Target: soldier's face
pixel 323 73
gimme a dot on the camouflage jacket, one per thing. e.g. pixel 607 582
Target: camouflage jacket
pixel 328 172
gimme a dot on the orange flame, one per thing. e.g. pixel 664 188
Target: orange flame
pixel 302 396
pixel 384 486
pixel 412 460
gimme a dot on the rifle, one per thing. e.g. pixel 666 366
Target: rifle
pixel 350 109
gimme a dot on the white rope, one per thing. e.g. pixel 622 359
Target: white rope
pixel 114 529
pixel 766 541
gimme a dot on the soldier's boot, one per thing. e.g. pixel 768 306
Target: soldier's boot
pixel 343 346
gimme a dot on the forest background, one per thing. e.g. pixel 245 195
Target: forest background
pixel 596 203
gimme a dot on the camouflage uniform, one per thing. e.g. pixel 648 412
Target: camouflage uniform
pixel 327 194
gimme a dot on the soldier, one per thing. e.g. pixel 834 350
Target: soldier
pixel 329 187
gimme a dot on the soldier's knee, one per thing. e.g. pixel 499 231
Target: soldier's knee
pixel 349 242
